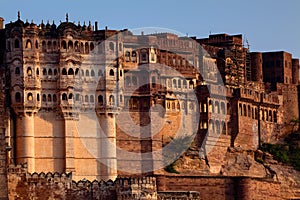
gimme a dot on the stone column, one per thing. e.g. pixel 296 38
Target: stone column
pixel 69 146
pixel 108 146
pixel 25 147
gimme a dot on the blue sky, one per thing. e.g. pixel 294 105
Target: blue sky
pixel 269 25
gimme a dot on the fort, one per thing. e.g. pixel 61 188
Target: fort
pixel 90 113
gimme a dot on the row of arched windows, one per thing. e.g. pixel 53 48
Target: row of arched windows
pixel 217 107
pixel 250 111
pixel 178 83
pixel 130 56
pixel 82 47
pixel 216 127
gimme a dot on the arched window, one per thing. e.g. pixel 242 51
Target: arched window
pixel 81 48
pixel 87 73
pixel 63 45
pixel 64 71
pixel 218 130
pixel 179 83
pixel 28 44
pixel 217 107
pixel 49 45
pixel 134 80
pixel 191 84
pixel 92 46
pixel 17 43
pixel 241 109
pixel 111 46
pixel 223 108
pixel 270 116
pixel 127 56
pixel 36 44
pixel 44 98
pixel 133 56
pixel 275 116
pixel 70 45
pixel 249 111
pixel 54 98
pixel 86 98
pixel 37 71
pixel 76 46
pixel 70 71
pixel 38 97
pixel 111 99
pixel 244 110
pixel 92 73
pixel 44 71
pixel 86 47
pixel 29 97
pixel 17 71
pixel 111 72
pixel 29 71
pixel 92 98
pixel 49 99
pixel 55 72
pixel 18 97
pixel 64 97
pixel 44 48
pixel 54 46
pixel 76 71
pixel 50 72
pixel 174 83
pixel 184 84
pixel 70 96
pixel 100 99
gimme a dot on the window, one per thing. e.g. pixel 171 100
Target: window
pixel 28 44
pixel 70 96
pixel 87 73
pixel 127 81
pixel 86 98
pixel 111 72
pixel 17 71
pixel 71 71
pixel 111 46
pixel 100 99
pixel 17 43
pixel 50 72
pixel 44 46
pixel 36 44
pixel 54 98
pixel 91 98
pixel 64 71
pixel 44 99
pixel 49 45
pixel 18 97
pixel 70 45
pixel 87 50
pixel 38 97
pixel 37 72
pixel 64 97
pixel 29 71
pixel 44 72
pixel 127 56
pixel 29 97
pixel 92 73
pixel 111 99
pixel 55 72
pixel 92 46
pixel 49 99
pixel 64 44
